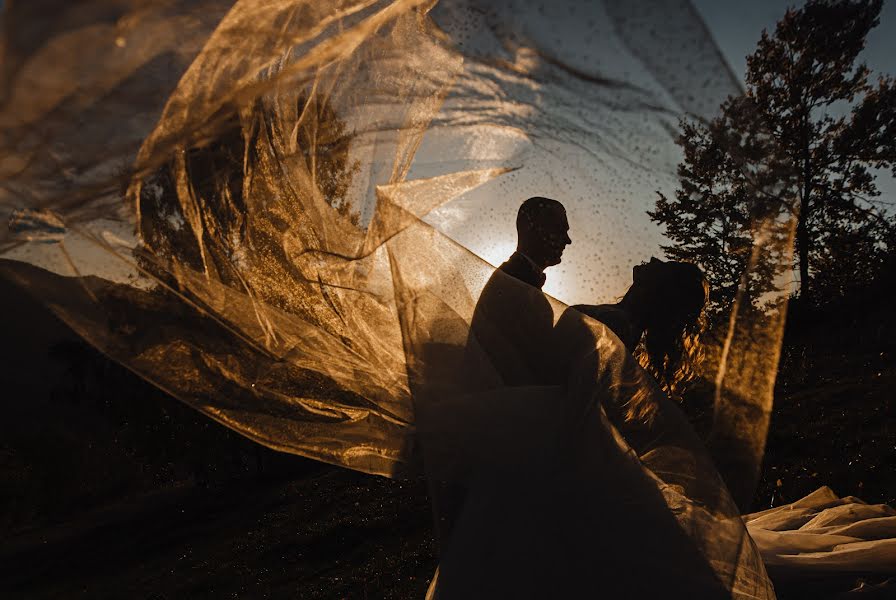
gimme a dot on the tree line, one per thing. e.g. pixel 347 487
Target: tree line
pixel 791 163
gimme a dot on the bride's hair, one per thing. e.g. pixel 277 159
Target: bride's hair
pixel 677 293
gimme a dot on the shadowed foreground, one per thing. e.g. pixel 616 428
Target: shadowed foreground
pixel 110 489
pixel 333 534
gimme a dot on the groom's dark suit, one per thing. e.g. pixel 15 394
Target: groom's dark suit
pixel 509 337
pixel 511 327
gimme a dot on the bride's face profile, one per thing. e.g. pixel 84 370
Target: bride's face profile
pixel 642 273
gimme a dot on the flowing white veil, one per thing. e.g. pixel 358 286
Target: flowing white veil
pixel 275 211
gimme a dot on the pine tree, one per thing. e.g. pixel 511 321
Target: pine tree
pixel 780 150
pixel 730 190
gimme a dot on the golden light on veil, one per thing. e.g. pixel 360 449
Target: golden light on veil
pixel 320 191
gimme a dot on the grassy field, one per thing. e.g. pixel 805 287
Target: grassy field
pixel 110 489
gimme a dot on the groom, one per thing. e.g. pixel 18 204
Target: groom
pixel 510 333
pixel 512 322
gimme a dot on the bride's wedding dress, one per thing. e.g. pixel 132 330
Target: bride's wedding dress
pixel 595 486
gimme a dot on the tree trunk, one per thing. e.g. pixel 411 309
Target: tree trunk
pixel 802 249
pixel 803 240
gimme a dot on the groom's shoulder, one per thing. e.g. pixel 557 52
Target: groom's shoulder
pixel 515 265
pixel 518 267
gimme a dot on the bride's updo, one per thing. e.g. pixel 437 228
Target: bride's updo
pixel 670 297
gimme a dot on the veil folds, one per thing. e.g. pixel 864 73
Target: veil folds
pixel 268 209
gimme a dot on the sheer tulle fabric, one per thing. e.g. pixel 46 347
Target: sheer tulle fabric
pixel 825 535
pixel 304 180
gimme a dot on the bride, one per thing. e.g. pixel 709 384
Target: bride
pixel 663 306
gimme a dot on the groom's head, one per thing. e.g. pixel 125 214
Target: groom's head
pixel 542 230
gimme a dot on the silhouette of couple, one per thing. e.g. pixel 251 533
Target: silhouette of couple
pixel 513 323
pixel 583 478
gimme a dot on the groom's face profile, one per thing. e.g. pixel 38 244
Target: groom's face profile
pixel 543 230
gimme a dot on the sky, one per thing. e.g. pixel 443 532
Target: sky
pixel 736 27
pixel 610 236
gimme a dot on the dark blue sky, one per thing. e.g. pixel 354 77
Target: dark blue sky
pixel 737 26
